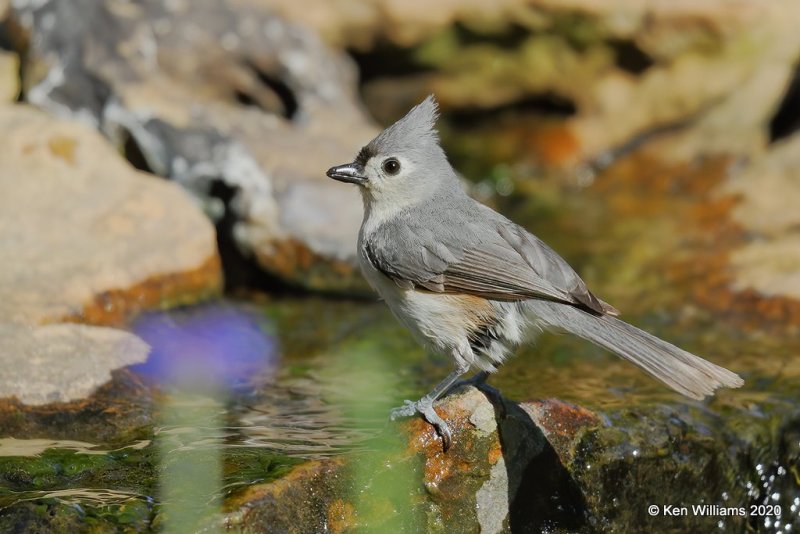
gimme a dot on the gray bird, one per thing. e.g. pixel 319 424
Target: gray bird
pixel 469 283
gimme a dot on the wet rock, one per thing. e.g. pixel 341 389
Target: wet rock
pixel 119 412
pixel 85 237
pixel 312 486
pixel 52 485
pixel 63 362
pixel 57 514
pixel 471 486
pixel 244 109
pixel 769 193
pixel 623 69
pixel 468 487
pixel 546 465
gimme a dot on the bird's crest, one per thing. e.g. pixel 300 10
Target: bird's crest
pixel 415 130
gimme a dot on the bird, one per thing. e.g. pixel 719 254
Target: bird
pixel 469 283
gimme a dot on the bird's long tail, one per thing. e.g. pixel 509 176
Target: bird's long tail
pixel 682 371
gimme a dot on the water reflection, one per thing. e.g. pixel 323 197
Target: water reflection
pixel 86 496
pixel 215 346
pixel 200 357
pixel 35 447
pixel 295 421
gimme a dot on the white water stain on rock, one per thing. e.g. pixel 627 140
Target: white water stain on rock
pixel 62 362
pixel 483 416
pixel 491 500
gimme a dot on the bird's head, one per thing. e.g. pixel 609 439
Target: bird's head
pixel 404 164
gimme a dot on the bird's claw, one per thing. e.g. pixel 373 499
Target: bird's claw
pixel 424 407
pixel 408 409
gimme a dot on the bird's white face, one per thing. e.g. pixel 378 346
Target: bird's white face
pixel 390 180
pixel 394 183
pixel 401 166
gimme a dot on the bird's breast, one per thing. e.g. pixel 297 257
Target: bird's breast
pixel 439 320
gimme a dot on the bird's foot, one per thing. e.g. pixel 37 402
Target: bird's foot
pixel 424 406
pixel 408 409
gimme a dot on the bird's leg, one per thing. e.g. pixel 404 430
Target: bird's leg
pixel 425 405
pixel 478 381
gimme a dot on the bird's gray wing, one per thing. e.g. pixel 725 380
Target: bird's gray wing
pixel 489 257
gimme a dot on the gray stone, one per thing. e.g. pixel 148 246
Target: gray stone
pixel 491 500
pixel 62 362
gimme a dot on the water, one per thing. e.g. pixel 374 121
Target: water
pixel 238 392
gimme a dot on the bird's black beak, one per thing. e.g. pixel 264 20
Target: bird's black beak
pixel 350 172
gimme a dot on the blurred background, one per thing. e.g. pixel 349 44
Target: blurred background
pixel 187 343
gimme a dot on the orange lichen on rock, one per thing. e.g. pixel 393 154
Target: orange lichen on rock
pixel 554 145
pixel 113 307
pixel 561 422
pixel 689 215
pixel 341 516
pixel 294 262
pixel 63 147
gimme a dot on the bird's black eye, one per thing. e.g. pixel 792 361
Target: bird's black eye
pixel 391 166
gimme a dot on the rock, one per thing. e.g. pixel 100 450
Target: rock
pixel 70 484
pixel 468 487
pixel 9 76
pixel 244 109
pixel 9 61
pixel 613 71
pixel 769 193
pixel 546 465
pixel 86 238
pixel 312 486
pixel 63 362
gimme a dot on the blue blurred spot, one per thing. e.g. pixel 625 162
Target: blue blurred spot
pixel 215 346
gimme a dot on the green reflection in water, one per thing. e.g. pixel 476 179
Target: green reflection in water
pixel 358 380
pixel 190 474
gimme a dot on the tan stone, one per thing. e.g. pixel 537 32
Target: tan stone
pixel 770 191
pixel 718 67
pixel 9 76
pixel 85 234
pixel 771 266
pixel 769 212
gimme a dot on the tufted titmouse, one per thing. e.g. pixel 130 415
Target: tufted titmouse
pixel 468 282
